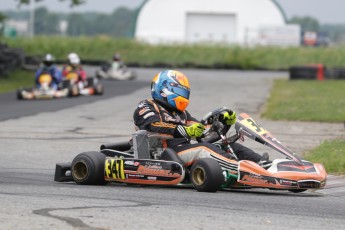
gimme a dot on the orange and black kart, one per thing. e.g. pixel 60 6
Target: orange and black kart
pixel 144 160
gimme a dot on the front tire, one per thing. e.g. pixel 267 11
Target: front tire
pixel 88 168
pixel 19 94
pixel 207 175
pixel 73 90
pixel 99 90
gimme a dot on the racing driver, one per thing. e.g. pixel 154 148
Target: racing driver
pixel 74 66
pixel 166 114
pixel 49 67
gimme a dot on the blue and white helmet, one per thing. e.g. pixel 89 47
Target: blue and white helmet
pixel 171 88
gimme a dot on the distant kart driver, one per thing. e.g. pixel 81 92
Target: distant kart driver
pixel 74 71
pixel 49 68
pixel 166 114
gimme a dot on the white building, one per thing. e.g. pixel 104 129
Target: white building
pixel 244 22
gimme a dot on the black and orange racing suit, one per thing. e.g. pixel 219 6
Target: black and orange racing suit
pixel 153 117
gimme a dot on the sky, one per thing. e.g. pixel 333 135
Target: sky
pixel 325 11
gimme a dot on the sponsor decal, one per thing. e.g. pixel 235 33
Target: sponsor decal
pixel 153 163
pixel 150 114
pixel 141 104
pixel 143 110
pixel 254 175
pixel 114 169
pixel 134 163
pixel 177 118
pixel 155 171
pixel 152 178
pixel 129 163
pixel 254 179
pixel 134 176
pixel 287 182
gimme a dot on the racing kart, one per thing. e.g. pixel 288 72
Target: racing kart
pixel 145 160
pixel 106 72
pixel 45 91
pixel 91 86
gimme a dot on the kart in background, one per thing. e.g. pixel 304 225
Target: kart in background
pixel 121 74
pixel 46 91
pixel 91 86
pixel 145 160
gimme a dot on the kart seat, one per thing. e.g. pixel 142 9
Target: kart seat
pixel 170 155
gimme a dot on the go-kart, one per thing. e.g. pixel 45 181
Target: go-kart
pixel 91 86
pixel 45 90
pixel 123 73
pixel 144 160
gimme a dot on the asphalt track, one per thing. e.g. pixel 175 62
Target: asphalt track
pixel 31 145
pixel 13 108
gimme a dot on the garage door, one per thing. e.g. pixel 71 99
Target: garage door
pixel 210 28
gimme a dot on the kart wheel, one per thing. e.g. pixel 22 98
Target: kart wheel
pixel 207 175
pixel 65 84
pixel 19 94
pixel 99 90
pixel 88 168
pixel 297 190
pixel 73 90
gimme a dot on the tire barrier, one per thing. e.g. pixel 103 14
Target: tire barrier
pixel 335 73
pixel 316 72
pixel 10 59
pixel 310 72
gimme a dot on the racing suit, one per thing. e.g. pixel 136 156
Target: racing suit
pixel 78 69
pixel 153 117
pixel 53 71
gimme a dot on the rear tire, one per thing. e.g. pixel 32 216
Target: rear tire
pixel 207 175
pixel 88 168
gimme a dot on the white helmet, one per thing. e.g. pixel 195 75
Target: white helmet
pixel 48 57
pixel 48 60
pixel 73 58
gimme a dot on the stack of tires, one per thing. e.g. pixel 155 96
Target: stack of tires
pixel 10 59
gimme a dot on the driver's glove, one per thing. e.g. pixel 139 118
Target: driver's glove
pixel 194 130
pixel 229 117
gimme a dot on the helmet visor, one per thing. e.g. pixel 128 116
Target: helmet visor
pixel 180 90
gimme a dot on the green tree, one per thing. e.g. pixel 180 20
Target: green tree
pixel 307 23
pixel 124 20
pixel 46 23
pixel 76 25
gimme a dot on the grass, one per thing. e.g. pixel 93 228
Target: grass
pixel 15 80
pixel 306 100
pixel 331 154
pixel 208 55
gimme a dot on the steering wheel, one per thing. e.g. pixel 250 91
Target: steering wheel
pixel 217 127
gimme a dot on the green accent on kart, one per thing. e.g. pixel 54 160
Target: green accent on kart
pixel 230 179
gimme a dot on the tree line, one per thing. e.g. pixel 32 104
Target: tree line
pixel 120 23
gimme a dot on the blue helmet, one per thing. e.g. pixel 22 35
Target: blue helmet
pixel 171 88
